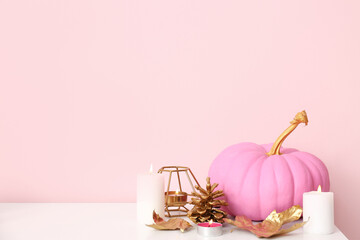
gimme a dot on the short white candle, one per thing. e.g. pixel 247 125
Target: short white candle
pixel 318 210
pixel 150 196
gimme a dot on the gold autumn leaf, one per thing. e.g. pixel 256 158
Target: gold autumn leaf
pixel 271 226
pixel 172 224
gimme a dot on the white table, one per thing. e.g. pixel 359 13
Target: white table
pixel 103 221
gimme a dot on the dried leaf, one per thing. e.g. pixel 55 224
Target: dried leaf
pixel 271 226
pixel 292 228
pixel 291 214
pixel 172 224
pixel 156 217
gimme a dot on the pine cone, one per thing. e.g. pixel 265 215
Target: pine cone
pixel 206 207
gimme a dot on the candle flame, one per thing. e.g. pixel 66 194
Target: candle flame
pixel 151 168
pixel 210 222
pixel 319 188
pixel 177 191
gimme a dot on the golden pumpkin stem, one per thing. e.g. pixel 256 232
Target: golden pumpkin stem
pixel 300 117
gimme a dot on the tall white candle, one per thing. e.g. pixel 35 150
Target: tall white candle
pixel 318 210
pixel 150 196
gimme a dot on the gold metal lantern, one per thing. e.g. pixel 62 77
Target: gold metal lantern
pixel 175 201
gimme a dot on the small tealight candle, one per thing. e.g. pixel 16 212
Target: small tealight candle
pixel 209 229
pixel 318 210
pixel 176 198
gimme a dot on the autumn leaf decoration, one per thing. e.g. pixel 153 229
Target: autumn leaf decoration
pixel 172 224
pixel 271 226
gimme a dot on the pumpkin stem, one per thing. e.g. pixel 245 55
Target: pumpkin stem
pixel 300 117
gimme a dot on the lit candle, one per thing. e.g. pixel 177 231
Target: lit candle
pixel 176 198
pixel 150 196
pixel 209 229
pixel 318 210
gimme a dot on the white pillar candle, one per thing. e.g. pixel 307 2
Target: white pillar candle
pixel 150 196
pixel 318 210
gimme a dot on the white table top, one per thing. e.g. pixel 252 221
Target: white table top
pixel 104 221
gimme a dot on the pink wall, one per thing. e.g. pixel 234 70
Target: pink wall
pixel 91 92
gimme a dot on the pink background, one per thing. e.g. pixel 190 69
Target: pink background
pixel 92 92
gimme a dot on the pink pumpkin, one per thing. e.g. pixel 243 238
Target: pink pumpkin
pixel 258 179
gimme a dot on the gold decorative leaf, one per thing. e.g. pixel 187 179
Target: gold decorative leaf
pixel 172 224
pixel 290 229
pixel 291 214
pixel 271 226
